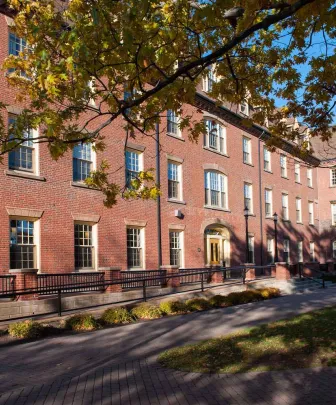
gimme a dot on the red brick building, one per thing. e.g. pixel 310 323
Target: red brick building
pixel 53 222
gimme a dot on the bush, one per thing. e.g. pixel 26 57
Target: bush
pixel 115 316
pixel 173 307
pixel 267 293
pixel 198 304
pixel 25 330
pixel 81 322
pixel 218 301
pixel 146 311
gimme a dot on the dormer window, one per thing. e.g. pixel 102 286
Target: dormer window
pixel 244 108
pixel 209 81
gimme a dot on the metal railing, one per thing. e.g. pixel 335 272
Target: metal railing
pixel 135 279
pixel 47 284
pixel 192 276
pixel 7 284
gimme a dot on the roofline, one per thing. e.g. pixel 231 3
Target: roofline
pixel 206 103
pixel 5 10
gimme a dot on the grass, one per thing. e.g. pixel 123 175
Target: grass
pixel 304 341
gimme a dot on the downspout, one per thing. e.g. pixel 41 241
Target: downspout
pixel 158 201
pixel 260 203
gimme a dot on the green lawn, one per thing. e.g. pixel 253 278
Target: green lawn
pixel 303 341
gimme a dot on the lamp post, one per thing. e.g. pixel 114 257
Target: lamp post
pixel 275 219
pixel 246 215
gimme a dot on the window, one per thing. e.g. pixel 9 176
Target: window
pixel 268 202
pixel 311 212
pixel 297 172
pixel 22 246
pixel 312 251
pixel 247 158
pixel 333 213
pixel 286 256
pixel 84 249
pixel 175 248
pixel 283 165
pixel 174 181
pixel 267 159
pixel 244 108
pixel 300 251
pixel 251 249
pixel 334 249
pixel 310 177
pixel 134 248
pixel 333 177
pixel 133 166
pixel 270 250
pixel 23 156
pixel 82 161
pixel 216 190
pixel 285 213
pixel 248 199
pixel 16 45
pixel 209 80
pixel 298 210
pixel 173 123
pixel 215 137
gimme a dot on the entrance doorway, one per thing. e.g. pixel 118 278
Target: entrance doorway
pixel 217 245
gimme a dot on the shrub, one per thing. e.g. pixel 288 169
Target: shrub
pixel 81 322
pixel 198 304
pixel 267 293
pixel 146 311
pixel 114 316
pixel 25 330
pixel 218 301
pixel 173 307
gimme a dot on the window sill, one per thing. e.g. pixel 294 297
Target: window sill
pixel 248 164
pixel 300 223
pixel 332 186
pixel 215 151
pixel 24 175
pixel 287 220
pixel 268 171
pixel 82 185
pixel 85 270
pixel 176 137
pixel 285 177
pixel 172 200
pixel 311 187
pixel 312 225
pixel 298 182
pixel 135 269
pixel 209 207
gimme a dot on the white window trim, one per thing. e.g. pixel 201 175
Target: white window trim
pixel 181 233
pixel 333 211
pixel 310 177
pixel 251 212
pixel 272 248
pixel 249 143
pixel 224 137
pixel 269 170
pixel 271 202
pixel 312 256
pixel 286 249
pixel 226 190
pixel 311 205
pixel 331 175
pixel 143 248
pixel 283 158
pixel 297 172
pixel 180 178
pixel 285 218
pixel 247 107
pixel 300 251
pixel 179 132
pixel 95 266
pixel 251 237
pixel 298 207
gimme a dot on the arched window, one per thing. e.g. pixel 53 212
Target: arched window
pixel 216 190
pixel 215 137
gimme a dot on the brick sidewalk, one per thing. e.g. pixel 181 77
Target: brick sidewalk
pixel 118 365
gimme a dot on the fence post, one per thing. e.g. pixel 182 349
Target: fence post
pixel 250 273
pixel 282 271
pixel 216 275
pixel 112 274
pixel 144 290
pixel 202 282
pixel 59 301
pixel 26 279
pixel 172 282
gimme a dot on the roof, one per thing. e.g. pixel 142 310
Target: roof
pixel 325 150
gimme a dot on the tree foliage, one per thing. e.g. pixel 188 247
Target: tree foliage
pixel 85 55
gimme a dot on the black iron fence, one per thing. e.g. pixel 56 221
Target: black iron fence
pixel 136 279
pixel 81 282
pixel 192 276
pixel 7 284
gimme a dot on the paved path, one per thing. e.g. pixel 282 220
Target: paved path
pixel 118 365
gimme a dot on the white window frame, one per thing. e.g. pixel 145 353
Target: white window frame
pixel 141 246
pixel 251 248
pixel 209 81
pixel 181 247
pixel 244 108
pixel 222 187
pixel 22 45
pixel 269 196
pixel 300 251
pixel 283 166
pixel 94 246
pixel 286 249
pixel 221 139
pixel 298 209
pixel 93 160
pixel 333 214
pixel 179 179
pixel 311 212
pixel 270 249
pixel 310 177
pixel 140 163
pixel 248 196
pixel 267 160
pixel 333 246
pixel 247 153
pixel 333 177
pixel 173 119
pixel 312 251
pixel 297 172
pixel 285 207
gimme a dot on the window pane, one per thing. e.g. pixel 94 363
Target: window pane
pixel 82 162
pixel 21 244
pixel 134 248
pixel 172 122
pixel 175 248
pixel 83 246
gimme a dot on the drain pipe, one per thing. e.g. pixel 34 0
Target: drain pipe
pixel 260 203
pixel 158 201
